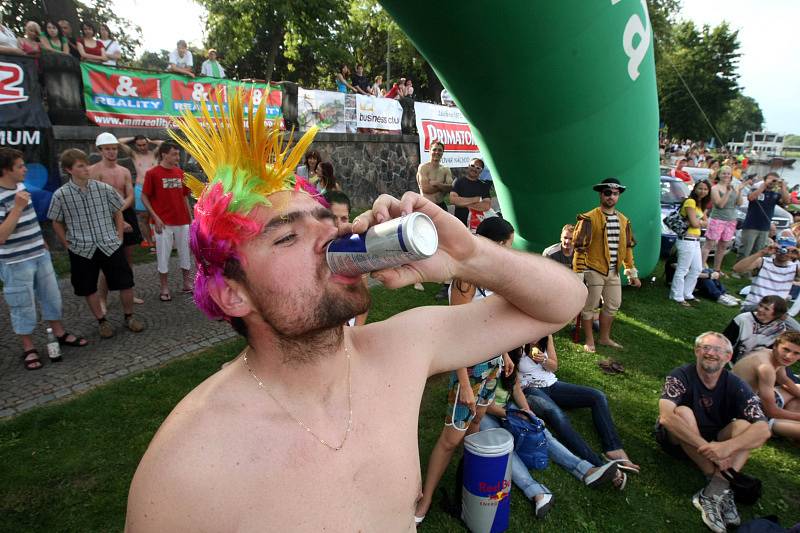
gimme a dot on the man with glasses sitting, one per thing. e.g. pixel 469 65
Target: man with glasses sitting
pixel 603 240
pixel 469 194
pixel 713 417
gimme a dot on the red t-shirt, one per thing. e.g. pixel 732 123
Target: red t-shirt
pixel 682 175
pixel 165 189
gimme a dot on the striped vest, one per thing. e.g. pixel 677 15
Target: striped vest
pixel 771 279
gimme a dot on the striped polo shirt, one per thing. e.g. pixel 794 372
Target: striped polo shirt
pixel 612 235
pixel 771 279
pixel 26 241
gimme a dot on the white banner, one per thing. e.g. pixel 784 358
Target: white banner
pixel 375 113
pixel 447 125
pixel 323 109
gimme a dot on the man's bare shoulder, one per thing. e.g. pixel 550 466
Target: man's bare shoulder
pixel 186 458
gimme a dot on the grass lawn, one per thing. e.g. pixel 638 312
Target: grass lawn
pixel 67 467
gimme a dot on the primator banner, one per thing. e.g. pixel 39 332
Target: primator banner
pixel 134 98
pixel 447 125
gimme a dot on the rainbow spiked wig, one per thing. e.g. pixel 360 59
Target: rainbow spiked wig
pixel 243 168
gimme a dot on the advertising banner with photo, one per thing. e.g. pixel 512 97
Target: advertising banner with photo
pixel 378 115
pixel 325 110
pixel 447 125
pixel 25 126
pixel 135 98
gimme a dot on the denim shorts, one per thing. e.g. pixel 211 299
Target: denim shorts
pixel 26 282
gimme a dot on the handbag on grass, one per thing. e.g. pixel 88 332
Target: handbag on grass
pixel 530 442
pixel 746 489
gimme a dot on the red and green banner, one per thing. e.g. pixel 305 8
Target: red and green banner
pixel 127 98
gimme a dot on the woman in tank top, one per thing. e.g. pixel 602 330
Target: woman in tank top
pixel 725 197
pixel 89 48
pixel 548 396
pixel 471 389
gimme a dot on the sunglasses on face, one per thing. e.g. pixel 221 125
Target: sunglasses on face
pixel 610 192
pixel 712 349
pixel 476 167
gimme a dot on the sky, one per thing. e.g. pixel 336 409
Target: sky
pixel 770 45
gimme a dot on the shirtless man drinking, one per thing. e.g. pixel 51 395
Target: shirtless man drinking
pixel 435 180
pixel 108 171
pixel 144 158
pixel 765 371
pixel 292 436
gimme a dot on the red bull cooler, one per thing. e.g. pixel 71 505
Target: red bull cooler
pixel 486 495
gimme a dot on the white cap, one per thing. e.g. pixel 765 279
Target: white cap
pixel 105 138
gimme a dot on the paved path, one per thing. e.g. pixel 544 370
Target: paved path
pixel 173 329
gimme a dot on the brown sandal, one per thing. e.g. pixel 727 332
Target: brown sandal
pixel 31 363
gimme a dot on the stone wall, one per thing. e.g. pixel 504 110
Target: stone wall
pixel 365 165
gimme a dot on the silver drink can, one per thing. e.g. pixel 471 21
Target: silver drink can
pixel 389 244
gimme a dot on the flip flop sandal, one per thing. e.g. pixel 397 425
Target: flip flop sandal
pixel 79 342
pixel 29 363
pixel 622 464
pixel 165 297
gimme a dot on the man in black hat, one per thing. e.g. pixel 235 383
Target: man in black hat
pixel 603 239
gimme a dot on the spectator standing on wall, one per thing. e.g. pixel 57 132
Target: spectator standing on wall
pixel 360 82
pixel 26 269
pixel 90 48
pixel 342 85
pixel 446 99
pixel 409 89
pixel 9 44
pixel 377 87
pixel 180 60
pixel 211 66
pixel 52 39
pixel 113 51
pixel 29 42
pixel 66 31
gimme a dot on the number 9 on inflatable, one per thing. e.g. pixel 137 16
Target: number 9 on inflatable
pixel 560 95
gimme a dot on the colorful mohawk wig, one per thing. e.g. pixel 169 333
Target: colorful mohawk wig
pixel 243 167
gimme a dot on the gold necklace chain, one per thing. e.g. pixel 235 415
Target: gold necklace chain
pixel 300 422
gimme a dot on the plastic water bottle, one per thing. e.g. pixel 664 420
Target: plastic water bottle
pixel 53 348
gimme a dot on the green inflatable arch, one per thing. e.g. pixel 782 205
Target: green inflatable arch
pixel 560 95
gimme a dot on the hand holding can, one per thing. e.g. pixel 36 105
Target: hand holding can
pixel 393 243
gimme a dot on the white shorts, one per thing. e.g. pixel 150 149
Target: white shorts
pixel 179 235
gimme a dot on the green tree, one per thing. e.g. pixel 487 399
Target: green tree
pixel 280 39
pixel 153 60
pixel 743 114
pixel 127 34
pixel 697 78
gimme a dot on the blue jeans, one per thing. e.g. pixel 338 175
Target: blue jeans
pixel 26 282
pixel 547 402
pixel 560 455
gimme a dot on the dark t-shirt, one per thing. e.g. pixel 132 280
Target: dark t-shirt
pixel 468 189
pixel 555 253
pixel 716 408
pixel 759 213
pixel 361 82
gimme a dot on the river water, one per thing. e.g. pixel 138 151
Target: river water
pixel 790 174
